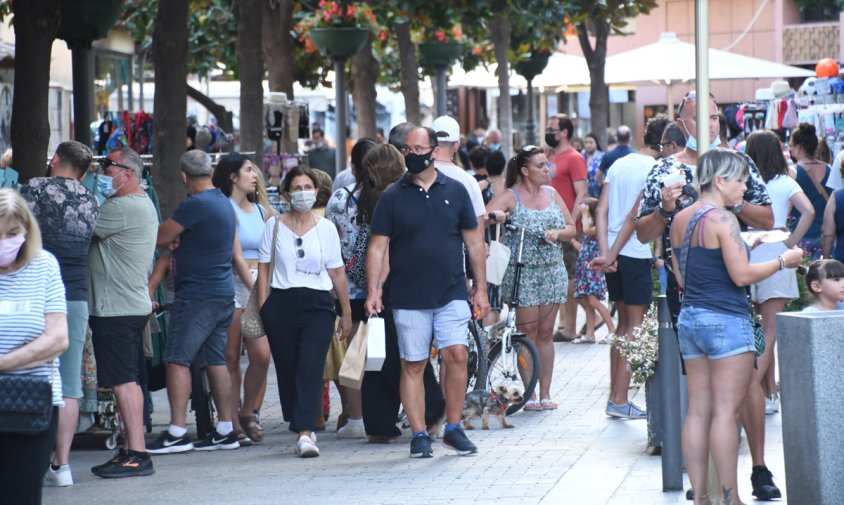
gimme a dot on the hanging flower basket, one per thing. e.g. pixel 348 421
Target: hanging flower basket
pixel 532 66
pixel 440 54
pixel 339 42
pixel 87 20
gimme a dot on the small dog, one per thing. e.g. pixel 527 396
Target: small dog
pixel 485 403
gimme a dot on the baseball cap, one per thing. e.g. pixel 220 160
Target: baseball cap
pixel 448 126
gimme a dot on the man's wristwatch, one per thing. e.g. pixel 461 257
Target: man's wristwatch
pixel 737 208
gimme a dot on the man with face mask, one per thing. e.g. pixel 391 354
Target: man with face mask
pixel 658 206
pixel 568 176
pixel 204 305
pixel 493 140
pixel 118 300
pixel 424 219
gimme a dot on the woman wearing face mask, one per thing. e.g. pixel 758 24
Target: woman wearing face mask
pixel 33 332
pixel 298 313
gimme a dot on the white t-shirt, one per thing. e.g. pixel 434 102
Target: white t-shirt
pixel 626 179
pixel 321 250
pixel 463 177
pixel 835 181
pixel 781 188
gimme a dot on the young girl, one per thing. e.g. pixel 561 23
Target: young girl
pixel 590 286
pixel 825 281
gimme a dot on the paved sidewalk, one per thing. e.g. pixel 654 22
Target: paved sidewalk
pixel 573 455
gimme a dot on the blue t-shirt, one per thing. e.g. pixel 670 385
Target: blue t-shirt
pixel 612 156
pixel 426 242
pixel 204 256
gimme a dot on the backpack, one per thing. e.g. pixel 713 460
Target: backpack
pixel 356 264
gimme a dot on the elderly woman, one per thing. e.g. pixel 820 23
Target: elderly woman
pixel 714 329
pixel 299 314
pixel 33 333
pixel 530 202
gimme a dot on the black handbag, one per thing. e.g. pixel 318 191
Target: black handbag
pixel 26 404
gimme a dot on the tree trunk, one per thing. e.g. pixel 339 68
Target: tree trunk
pixel 599 99
pixel 225 117
pixel 501 43
pixel 409 74
pixel 36 25
pixel 278 46
pixel 364 73
pixel 251 66
pixel 170 58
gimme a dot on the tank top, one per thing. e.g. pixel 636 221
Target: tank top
pixel 839 225
pixel 250 228
pixel 708 284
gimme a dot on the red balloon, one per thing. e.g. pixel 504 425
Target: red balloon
pixel 827 67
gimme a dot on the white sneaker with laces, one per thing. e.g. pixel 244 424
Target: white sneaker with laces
pixel 58 478
pixel 306 447
pixel 352 429
pixel 772 404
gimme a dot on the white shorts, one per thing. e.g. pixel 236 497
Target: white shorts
pixel 241 290
pixel 782 284
pixel 449 325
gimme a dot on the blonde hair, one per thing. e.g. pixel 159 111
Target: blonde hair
pixel 12 204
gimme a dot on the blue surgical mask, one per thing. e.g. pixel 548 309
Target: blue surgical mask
pixel 105 186
pixel 691 143
pixel 495 147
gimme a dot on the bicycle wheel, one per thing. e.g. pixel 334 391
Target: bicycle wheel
pixel 201 403
pixel 518 367
pixel 478 361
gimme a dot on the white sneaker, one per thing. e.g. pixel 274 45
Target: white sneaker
pixel 58 478
pixel 352 429
pixel 306 447
pixel 772 404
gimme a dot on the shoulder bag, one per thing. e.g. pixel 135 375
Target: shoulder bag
pixel 26 404
pixel 251 326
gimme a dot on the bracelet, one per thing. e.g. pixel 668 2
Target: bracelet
pixel 664 215
pixel 782 261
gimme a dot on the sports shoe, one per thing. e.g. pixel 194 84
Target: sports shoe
pixel 119 455
pixel 764 488
pixel 420 446
pixel 352 429
pixel 457 440
pixel 134 464
pixel 626 411
pixel 215 442
pixel 772 404
pixel 58 478
pixel 306 446
pixel 168 444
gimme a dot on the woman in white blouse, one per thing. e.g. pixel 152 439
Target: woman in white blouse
pixel 298 313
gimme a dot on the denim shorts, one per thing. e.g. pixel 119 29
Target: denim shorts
pixel 716 335
pixel 449 325
pixel 197 332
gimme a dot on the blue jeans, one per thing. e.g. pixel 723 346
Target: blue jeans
pixel 197 332
pixel 716 335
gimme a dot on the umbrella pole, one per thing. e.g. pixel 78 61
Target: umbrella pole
pixel 702 73
pixel 669 91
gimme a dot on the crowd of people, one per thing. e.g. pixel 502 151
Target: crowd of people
pixel 407 239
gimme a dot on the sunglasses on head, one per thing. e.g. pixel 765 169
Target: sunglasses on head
pixel 529 148
pixel 107 162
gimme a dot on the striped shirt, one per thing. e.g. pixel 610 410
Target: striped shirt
pixel 26 296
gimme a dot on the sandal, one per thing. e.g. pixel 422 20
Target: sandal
pixel 251 427
pixel 533 406
pixel 548 404
pixel 605 340
pixel 242 438
pixel 583 339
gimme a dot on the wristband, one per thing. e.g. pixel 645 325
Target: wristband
pixel 781 261
pixel 664 214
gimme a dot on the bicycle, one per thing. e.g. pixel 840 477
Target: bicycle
pixel 513 358
pixel 477 359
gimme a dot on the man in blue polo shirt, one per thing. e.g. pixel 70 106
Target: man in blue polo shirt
pixel 424 219
pixel 205 226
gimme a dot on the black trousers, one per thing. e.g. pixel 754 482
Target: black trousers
pixel 299 323
pixel 380 390
pixel 23 461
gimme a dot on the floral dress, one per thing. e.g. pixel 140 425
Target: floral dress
pixel 592 167
pixel 588 282
pixel 544 279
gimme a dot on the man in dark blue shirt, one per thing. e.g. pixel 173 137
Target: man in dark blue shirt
pixel 622 150
pixel 425 219
pixel 202 311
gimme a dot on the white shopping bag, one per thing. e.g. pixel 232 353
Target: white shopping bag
pixel 376 349
pixel 496 263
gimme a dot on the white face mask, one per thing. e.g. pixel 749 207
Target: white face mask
pixel 303 201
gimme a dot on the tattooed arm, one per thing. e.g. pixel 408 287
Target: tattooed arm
pixel 735 251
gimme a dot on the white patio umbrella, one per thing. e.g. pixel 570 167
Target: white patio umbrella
pixel 481 77
pixel 670 61
pixel 564 70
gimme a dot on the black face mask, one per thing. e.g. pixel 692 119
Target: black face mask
pixel 551 139
pixel 416 163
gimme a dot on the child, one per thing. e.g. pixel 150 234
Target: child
pixel 590 286
pixel 825 281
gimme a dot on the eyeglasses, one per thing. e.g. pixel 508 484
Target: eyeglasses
pixel 405 150
pixel 300 253
pixel 107 162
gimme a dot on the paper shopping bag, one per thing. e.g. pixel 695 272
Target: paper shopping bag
pixel 376 348
pixel 351 371
pixel 496 263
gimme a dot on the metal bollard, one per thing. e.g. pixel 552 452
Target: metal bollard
pixel 669 371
